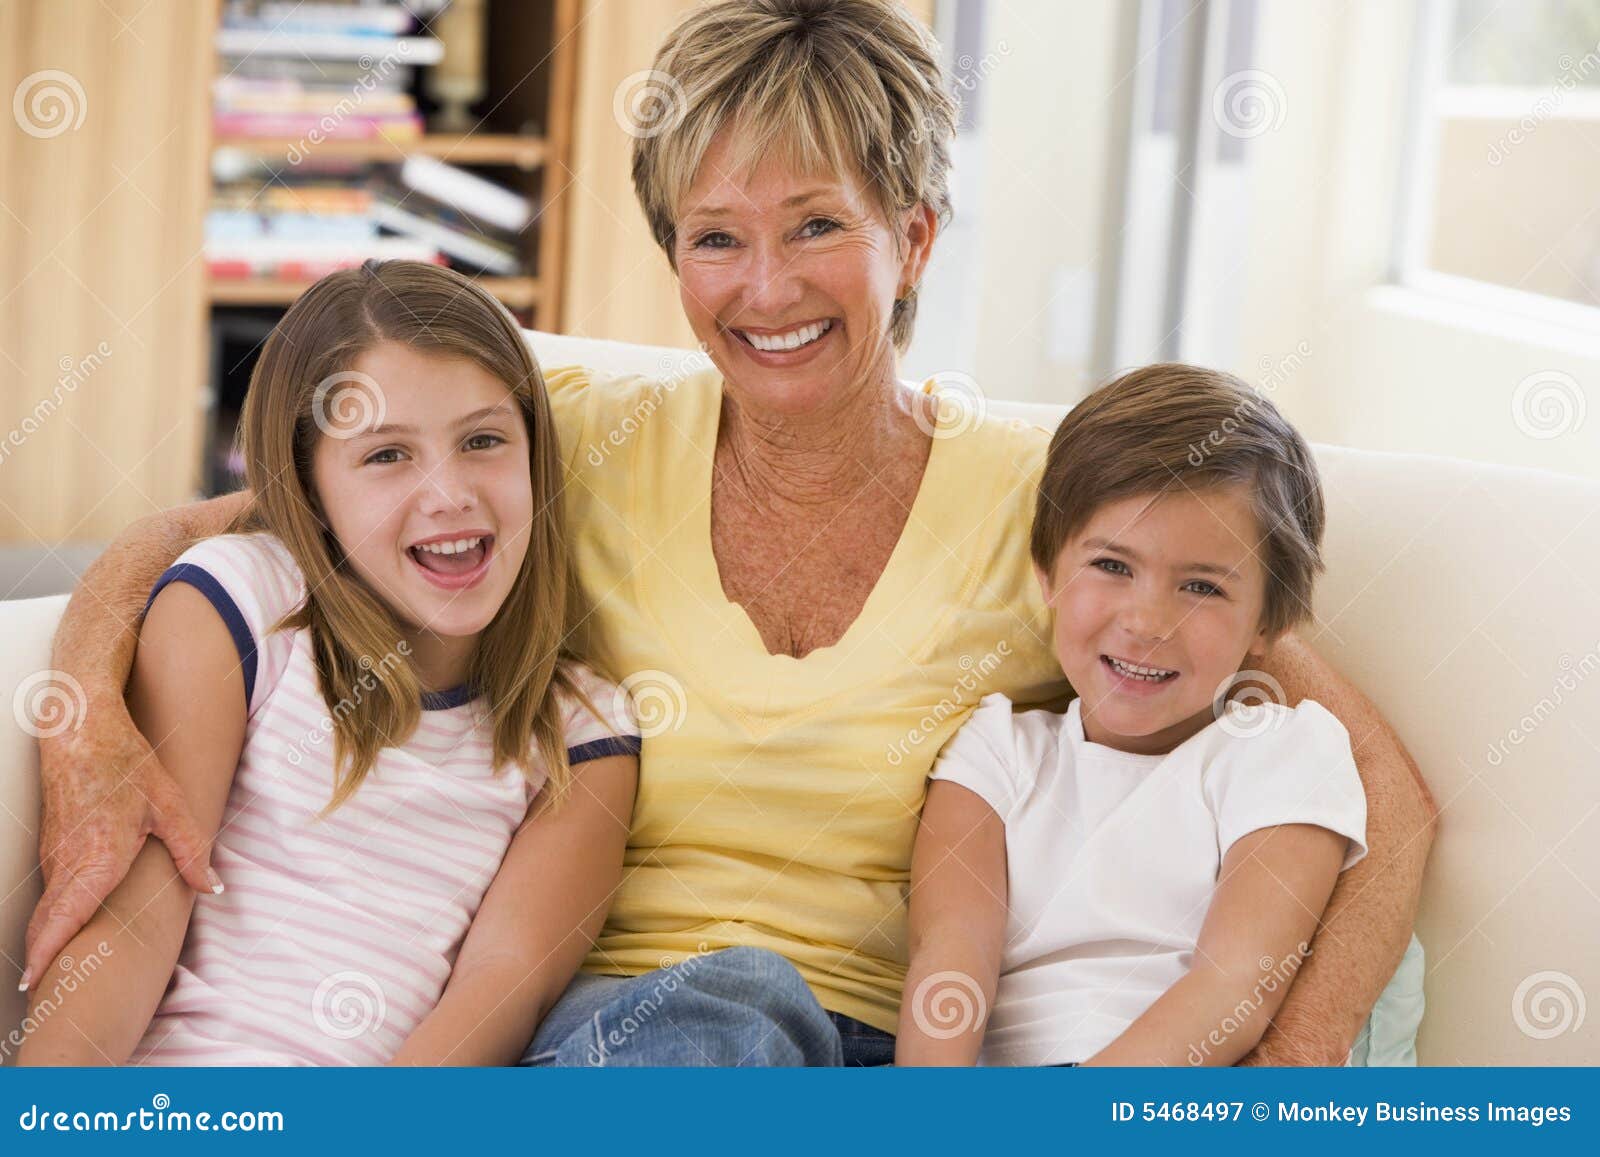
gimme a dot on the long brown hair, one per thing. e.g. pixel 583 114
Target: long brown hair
pixel 521 655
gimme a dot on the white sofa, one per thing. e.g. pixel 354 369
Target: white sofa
pixel 1464 599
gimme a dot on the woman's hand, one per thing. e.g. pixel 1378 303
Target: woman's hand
pixel 105 792
pixel 1367 925
pixel 188 688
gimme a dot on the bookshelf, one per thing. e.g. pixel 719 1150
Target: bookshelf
pixel 322 116
pixel 519 139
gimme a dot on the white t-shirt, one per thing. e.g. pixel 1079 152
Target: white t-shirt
pixel 1113 857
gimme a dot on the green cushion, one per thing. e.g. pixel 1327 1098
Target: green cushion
pixel 1390 1035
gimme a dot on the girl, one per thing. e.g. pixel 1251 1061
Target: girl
pixel 419 801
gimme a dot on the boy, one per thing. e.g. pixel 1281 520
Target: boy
pixel 1136 881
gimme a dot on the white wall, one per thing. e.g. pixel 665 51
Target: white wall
pixel 1016 277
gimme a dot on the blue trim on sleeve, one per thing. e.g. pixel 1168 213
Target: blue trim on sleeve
pixel 600 748
pixel 217 595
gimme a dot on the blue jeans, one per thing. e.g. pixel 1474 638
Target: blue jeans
pixel 739 1006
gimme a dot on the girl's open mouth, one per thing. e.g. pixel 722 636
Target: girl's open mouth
pixel 453 563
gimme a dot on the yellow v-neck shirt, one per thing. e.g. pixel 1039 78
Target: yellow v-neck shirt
pixel 778 797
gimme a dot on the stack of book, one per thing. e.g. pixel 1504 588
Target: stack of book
pixel 310 77
pixel 298 231
pixel 318 71
pixel 301 226
pixel 474 223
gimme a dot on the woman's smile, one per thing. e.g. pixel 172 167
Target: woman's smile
pixel 789 346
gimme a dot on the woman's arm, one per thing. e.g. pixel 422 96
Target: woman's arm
pixel 957 928
pixel 538 919
pixel 187 693
pixel 104 789
pixel 1273 886
pixel 1368 921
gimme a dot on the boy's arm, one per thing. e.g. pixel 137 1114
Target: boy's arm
pixel 538 919
pixel 186 691
pixel 957 929
pixel 1273 886
pixel 103 789
pixel 1369 918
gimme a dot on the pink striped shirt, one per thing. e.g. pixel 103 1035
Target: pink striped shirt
pixel 335 936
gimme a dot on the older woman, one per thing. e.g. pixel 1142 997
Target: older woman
pixel 807 575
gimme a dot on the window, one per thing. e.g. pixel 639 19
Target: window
pixel 1504 159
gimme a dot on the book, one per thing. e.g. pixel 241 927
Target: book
pixel 409 50
pixel 245 95
pixel 467 193
pixel 308 260
pixel 383 20
pixel 477 251
pixel 343 74
pixel 350 128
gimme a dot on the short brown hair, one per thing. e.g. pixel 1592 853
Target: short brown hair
pixel 1169 427
pixel 839 86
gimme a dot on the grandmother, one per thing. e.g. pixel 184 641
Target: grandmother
pixel 806 574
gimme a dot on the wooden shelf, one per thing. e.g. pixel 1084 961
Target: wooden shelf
pixel 513 292
pixel 525 153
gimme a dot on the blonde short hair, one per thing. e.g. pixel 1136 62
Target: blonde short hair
pixel 836 86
